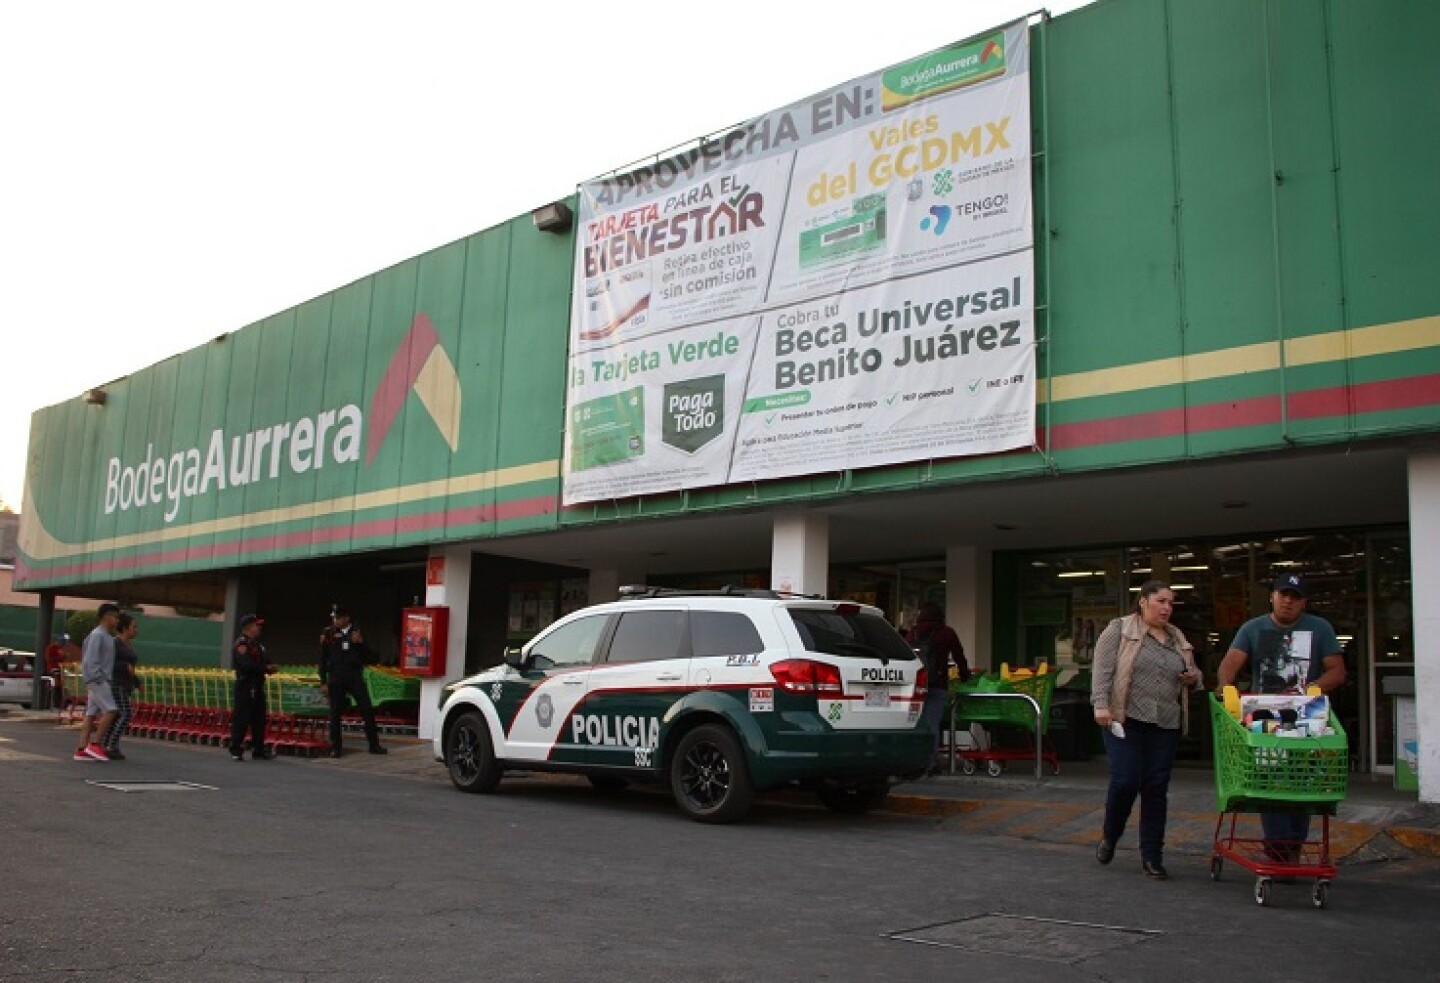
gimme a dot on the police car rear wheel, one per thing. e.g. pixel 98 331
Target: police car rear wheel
pixel 469 756
pixel 709 777
pixel 852 800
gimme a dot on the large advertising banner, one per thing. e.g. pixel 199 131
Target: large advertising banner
pixel 846 282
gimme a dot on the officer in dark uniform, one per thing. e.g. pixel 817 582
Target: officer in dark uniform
pixel 343 656
pixel 252 665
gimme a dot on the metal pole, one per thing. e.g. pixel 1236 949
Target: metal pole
pixel 953 701
pixel 44 630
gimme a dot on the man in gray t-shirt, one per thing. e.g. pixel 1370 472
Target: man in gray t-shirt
pixel 97 667
pixel 1287 650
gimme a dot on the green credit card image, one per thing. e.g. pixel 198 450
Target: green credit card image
pixel 607 429
pixel 861 231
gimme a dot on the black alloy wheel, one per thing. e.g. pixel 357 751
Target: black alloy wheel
pixel 709 776
pixel 469 755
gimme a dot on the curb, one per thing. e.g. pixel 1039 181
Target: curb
pixel 1187 832
pixel 1425 842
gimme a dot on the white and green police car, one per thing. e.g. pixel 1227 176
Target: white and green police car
pixel 717 694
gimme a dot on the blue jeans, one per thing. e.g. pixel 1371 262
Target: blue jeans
pixel 1285 829
pixel 1140 765
pixel 933 715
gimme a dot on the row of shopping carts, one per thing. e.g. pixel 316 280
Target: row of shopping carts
pixel 196 706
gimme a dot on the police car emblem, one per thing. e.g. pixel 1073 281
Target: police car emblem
pixel 544 710
pixel 496 691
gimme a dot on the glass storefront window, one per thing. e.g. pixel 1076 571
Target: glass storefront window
pixel 1067 598
pixel 1394 638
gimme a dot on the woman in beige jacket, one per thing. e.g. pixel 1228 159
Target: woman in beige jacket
pixel 1141 678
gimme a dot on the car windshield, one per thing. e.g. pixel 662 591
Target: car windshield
pixel 849 633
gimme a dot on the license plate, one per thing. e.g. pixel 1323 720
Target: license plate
pixel 877 696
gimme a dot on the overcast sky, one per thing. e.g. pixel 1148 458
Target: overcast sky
pixel 175 170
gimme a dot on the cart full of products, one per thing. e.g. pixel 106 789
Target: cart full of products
pixel 1276 754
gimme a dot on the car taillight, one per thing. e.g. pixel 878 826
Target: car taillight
pixel 806 676
pixel 922 682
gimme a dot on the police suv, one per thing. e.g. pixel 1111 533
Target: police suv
pixel 717 694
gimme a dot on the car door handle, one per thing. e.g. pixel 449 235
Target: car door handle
pixel 574 680
pixel 669 677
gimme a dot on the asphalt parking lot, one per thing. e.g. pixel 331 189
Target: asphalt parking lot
pixel 376 869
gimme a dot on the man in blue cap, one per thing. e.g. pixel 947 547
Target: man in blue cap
pixel 1287 650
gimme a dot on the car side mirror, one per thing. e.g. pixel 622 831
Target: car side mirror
pixel 515 658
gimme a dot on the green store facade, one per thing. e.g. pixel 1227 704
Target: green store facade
pixel 1237 358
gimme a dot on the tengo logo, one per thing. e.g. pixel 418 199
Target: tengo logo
pixel 940 215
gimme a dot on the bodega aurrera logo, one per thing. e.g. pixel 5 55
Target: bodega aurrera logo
pixel 294 447
pixel 943 71
pixel 335 436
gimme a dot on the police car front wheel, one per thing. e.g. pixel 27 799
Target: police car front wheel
pixel 469 755
pixel 709 776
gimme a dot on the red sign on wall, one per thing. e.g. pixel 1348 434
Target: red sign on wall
pixel 424 634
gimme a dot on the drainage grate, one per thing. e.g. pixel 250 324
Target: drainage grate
pixel 1031 938
pixel 151 786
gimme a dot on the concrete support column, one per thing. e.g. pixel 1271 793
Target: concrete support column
pixel 1424 474
pixel 800 553
pixel 605 582
pixel 969 586
pixel 44 618
pixel 451 567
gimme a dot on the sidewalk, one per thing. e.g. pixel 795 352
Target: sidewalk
pixel 1375 822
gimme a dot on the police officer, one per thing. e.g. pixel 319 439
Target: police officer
pixel 343 655
pixel 252 665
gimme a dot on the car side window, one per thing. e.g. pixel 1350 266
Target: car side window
pixel 723 633
pixel 569 645
pixel 645 636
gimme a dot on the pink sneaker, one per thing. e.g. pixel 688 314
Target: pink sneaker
pixel 97 752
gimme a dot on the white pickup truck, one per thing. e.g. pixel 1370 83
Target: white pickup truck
pixel 16 681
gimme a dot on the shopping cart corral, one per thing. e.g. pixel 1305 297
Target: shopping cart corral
pixel 1260 772
pixel 1013 706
